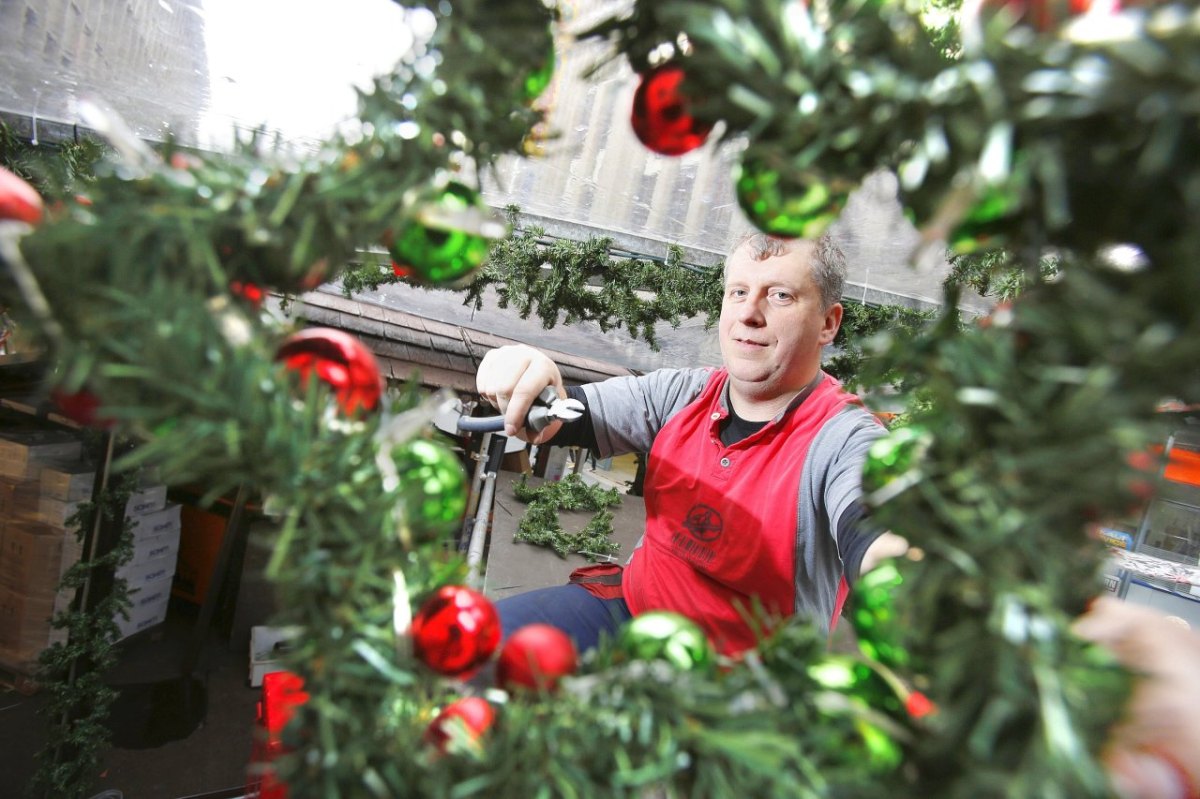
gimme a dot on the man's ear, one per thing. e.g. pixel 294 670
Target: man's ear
pixel 833 321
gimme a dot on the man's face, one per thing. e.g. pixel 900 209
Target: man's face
pixel 772 324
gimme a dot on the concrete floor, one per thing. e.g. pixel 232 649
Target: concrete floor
pixel 208 730
pixel 211 758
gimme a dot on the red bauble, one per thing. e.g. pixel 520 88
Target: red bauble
pixel 338 359
pixel 536 656
pixel 81 407
pixel 475 714
pixel 19 200
pixel 250 292
pixel 918 706
pixel 662 116
pixel 455 631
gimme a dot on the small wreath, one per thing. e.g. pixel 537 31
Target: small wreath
pixel 540 523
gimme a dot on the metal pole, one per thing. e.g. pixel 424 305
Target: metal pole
pixel 479 533
pixel 480 457
pixel 483 513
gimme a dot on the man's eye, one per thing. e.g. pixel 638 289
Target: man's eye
pixel 783 296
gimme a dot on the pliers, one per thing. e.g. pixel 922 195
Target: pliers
pixel 547 407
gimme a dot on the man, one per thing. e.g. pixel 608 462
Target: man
pixel 753 478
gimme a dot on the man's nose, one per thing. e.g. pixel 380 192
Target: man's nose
pixel 751 312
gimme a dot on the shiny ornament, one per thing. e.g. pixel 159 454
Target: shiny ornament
pixel 782 205
pixel 81 407
pixel 987 224
pixel 893 463
pixel 866 690
pixel 448 240
pixel 536 82
pixel 918 706
pixel 434 485
pixel 19 200
pixel 664 635
pixel 455 631
pixel 251 293
pixel 462 722
pixel 874 618
pixel 339 360
pixel 536 656
pixel 856 679
pixel 662 118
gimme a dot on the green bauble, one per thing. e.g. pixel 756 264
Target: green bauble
pixel 435 246
pixel 537 81
pixel 867 692
pixel 987 224
pixel 434 486
pixel 893 462
pixel 874 617
pixel 663 635
pixel 781 204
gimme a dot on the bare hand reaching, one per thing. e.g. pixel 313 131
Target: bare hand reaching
pixel 1154 751
pixel 511 378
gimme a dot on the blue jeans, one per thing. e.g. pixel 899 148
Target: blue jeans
pixel 570 608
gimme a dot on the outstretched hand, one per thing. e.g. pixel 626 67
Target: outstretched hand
pixel 511 378
pixel 1154 751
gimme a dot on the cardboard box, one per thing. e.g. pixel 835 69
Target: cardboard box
pixel 155 547
pixel 267 644
pixel 25 622
pixel 152 524
pixel 139 575
pixel 147 500
pixel 148 607
pixel 34 556
pixel 54 512
pixel 51 510
pixel 67 481
pixel 22 452
pixel 17 497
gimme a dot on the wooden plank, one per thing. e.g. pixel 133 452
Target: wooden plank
pixel 514 567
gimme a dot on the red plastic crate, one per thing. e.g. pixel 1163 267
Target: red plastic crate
pixel 282 693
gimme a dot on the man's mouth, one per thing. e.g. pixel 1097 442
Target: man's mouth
pixel 750 342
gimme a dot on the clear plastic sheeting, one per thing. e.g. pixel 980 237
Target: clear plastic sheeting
pixel 197 70
pixel 201 70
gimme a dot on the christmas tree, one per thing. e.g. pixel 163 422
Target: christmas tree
pixel 1039 129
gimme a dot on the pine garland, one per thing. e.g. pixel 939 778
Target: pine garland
pixel 73 672
pixel 1030 417
pixel 540 525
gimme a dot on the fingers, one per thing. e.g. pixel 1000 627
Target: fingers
pixel 1146 775
pixel 1162 716
pixel 1140 637
pixel 511 378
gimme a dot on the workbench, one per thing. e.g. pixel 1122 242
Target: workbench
pixel 514 567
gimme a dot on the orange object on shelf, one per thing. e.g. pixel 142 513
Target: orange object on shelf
pixel 1183 466
pixel 199 545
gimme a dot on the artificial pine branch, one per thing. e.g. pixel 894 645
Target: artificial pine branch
pixel 1031 417
pixel 540 525
pixel 73 672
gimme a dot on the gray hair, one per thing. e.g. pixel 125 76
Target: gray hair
pixel 828 262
